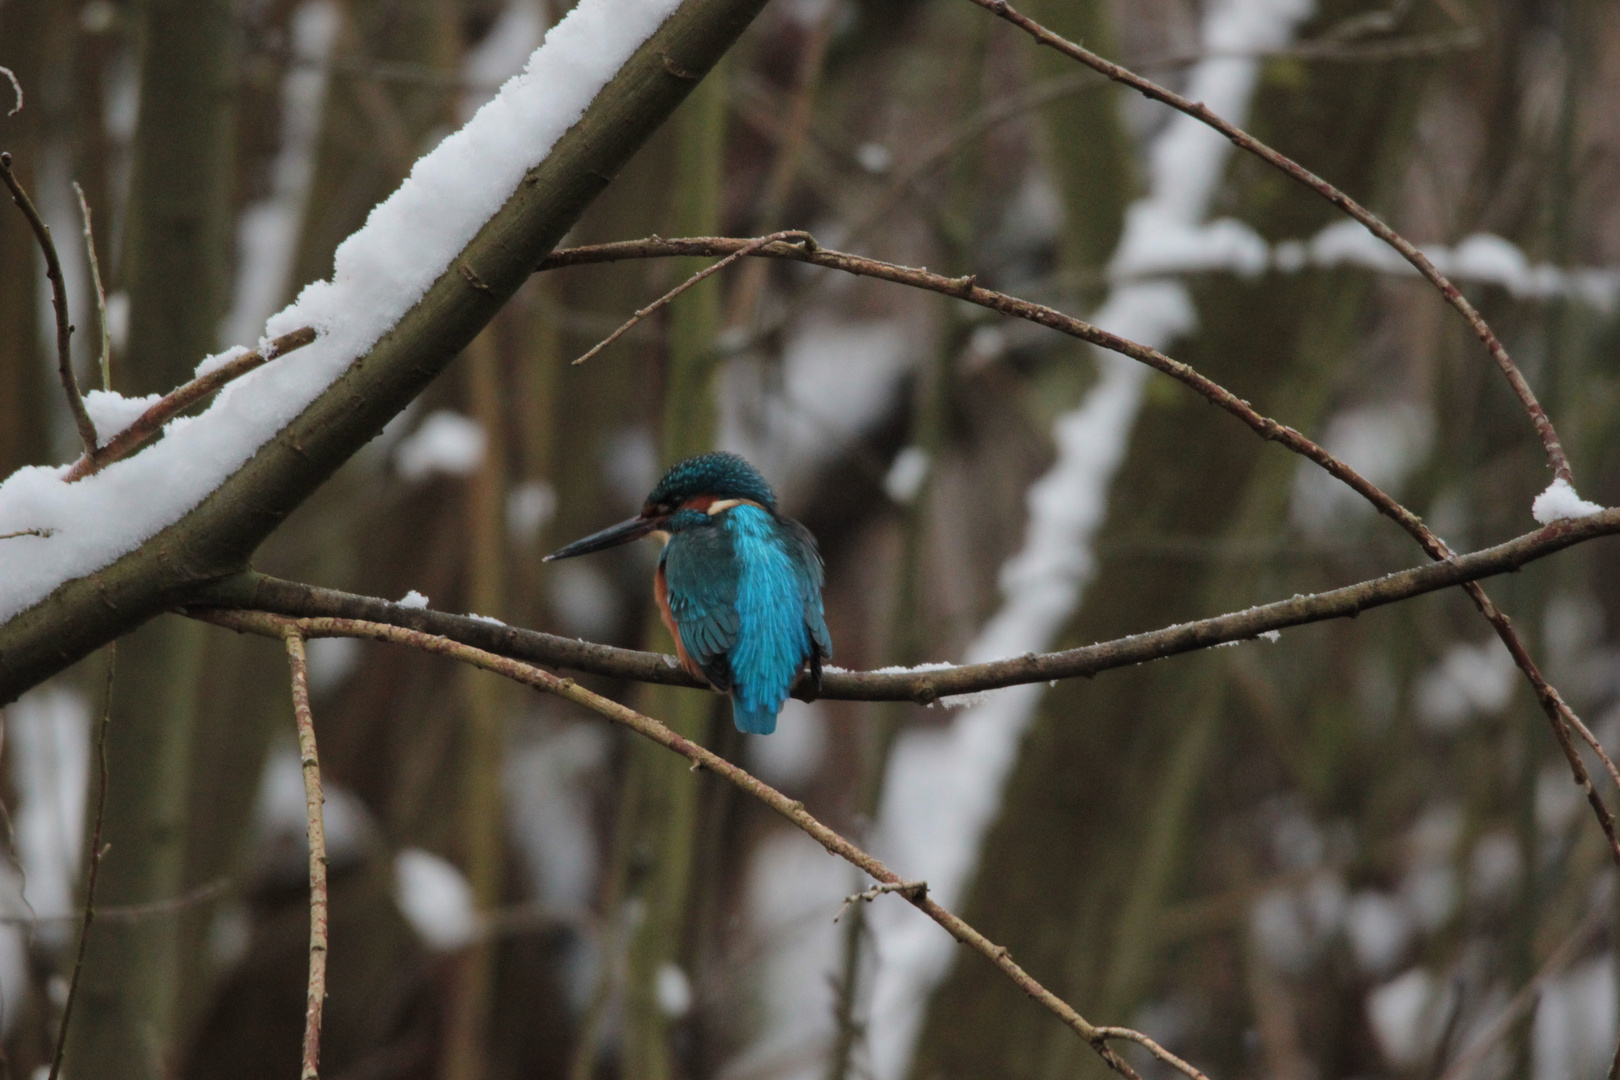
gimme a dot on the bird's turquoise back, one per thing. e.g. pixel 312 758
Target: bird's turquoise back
pixel 744 591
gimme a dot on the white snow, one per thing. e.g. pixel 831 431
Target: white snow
pixel 1561 501
pixel 958 771
pixel 49 732
pixel 549 774
pixel 1382 442
pixel 1407 1016
pixel 281 821
pixel 331 661
pixel 435 899
pixel 906 475
pixel 446 442
pixel 530 506
pixel 673 989
pixel 379 273
pixel 413 599
pixel 1575 1023
pixel 112 412
pixel 1482 259
pixel 1470 680
pixel 790 757
pixel 1379 928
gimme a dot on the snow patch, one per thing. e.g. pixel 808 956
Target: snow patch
pixel 379 273
pixel 1560 502
pixel 435 898
pixel 446 442
pixel 413 600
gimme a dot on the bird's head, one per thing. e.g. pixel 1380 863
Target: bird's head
pixel 689 493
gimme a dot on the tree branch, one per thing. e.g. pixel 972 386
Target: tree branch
pixel 1244 141
pixel 59 304
pixel 1559 714
pixel 794 811
pixel 89 915
pixel 217 537
pixel 177 401
pixel 314 799
pixel 261 592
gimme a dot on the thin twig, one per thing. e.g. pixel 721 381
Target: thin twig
pixel 313 807
pixel 904 888
pixel 101 294
pixel 16 88
pixel 27 532
pixel 1558 712
pixel 1153 1048
pixel 928 685
pixel 177 401
pixel 64 328
pixel 1244 141
pixel 747 249
pixel 794 811
pixel 132 913
pixel 95 862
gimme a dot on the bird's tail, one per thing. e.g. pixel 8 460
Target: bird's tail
pixel 753 719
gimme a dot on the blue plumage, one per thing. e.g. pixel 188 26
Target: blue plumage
pixel 738 585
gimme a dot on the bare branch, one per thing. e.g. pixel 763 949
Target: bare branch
pixel 1244 141
pixel 105 359
pixel 95 863
pixel 747 249
pixel 27 532
pixel 905 888
pixel 794 811
pixel 64 328
pixel 261 592
pixel 177 401
pixel 1559 714
pixel 313 802
pixel 1153 1048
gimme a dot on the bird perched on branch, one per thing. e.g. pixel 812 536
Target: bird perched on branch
pixel 738 584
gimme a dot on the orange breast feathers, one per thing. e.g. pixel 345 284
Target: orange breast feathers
pixel 661 594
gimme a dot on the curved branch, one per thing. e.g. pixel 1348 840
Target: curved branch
pixel 255 591
pixel 59 304
pixel 1559 715
pixel 268 625
pixel 1244 141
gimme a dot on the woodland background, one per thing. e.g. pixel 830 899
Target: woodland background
pixel 1337 855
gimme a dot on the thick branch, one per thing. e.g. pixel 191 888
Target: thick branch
pixel 216 538
pixel 260 592
pixel 1244 141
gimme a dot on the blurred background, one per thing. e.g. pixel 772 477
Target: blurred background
pixel 1352 852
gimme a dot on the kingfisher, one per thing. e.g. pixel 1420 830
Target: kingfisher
pixel 738 584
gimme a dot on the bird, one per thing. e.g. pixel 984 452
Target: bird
pixel 738 583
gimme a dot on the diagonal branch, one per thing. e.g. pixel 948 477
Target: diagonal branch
pixel 64 328
pixel 1244 141
pixel 794 811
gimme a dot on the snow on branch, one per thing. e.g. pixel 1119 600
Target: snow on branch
pixel 379 274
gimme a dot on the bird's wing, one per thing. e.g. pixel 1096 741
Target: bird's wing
pixel 701 574
pixel 811 575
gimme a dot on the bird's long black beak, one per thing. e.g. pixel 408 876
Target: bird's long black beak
pixel 612 536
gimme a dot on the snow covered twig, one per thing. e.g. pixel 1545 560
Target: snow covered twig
pixel 59 305
pixel 95 864
pixel 748 248
pixel 313 800
pixel 177 401
pixel 1244 141
pixel 270 625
